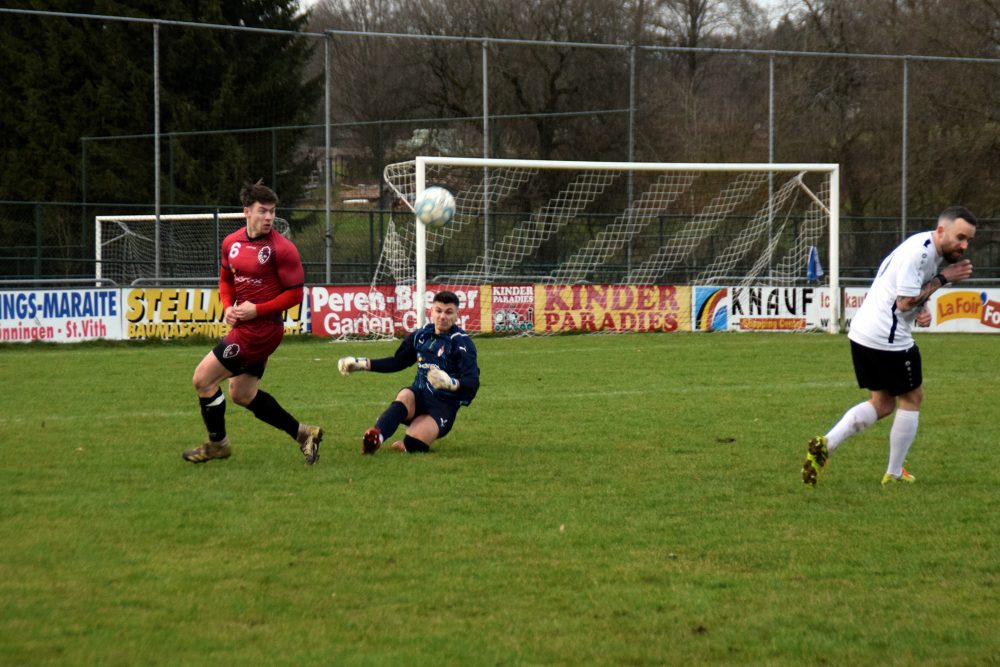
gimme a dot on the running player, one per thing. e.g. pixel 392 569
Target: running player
pixel 261 276
pixel 886 360
pixel 447 378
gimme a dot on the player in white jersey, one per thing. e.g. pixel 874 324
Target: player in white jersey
pixel 886 360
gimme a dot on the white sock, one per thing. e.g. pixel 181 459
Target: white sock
pixel 904 430
pixel 854 421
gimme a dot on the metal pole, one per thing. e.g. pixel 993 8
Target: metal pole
pixel 486 154
pixel 156 145
pixel 83 202
pixel 905 142
pixel 274 159
pixel 770 157
pixel 631 150
pixel 327 151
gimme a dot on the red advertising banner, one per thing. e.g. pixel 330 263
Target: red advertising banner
pixel 360 310
pixel 612 308
pixel 512 309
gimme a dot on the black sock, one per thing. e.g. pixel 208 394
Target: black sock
pixel 414 446
pixel 390 420
pixel 265 408
pixel 213 412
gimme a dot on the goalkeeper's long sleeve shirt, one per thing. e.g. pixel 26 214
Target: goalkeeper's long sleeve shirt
pixel 453 352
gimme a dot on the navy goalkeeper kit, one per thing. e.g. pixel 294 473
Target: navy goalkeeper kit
pixel 453 352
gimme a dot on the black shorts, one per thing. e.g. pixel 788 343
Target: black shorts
pixel 883 370
pixel 230 356
pixel 443 412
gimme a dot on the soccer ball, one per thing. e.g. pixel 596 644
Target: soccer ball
pixel 435 207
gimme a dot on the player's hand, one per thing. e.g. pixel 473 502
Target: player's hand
pixel 441 380
pixel 923 318
pixel 230 316
pixel 958 271
pixel 348 365
pixel 245 311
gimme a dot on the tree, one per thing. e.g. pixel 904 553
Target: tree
pixel 78 78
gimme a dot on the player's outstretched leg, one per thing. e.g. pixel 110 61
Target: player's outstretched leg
pixel 210 450
pixel 371 440
pixel 309 438
pixel 904 477
pixel 816 457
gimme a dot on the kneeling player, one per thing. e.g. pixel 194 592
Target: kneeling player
pixel 447 378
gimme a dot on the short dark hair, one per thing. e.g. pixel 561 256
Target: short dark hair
pixel 257 192
pixel 446 297
pixel 956 212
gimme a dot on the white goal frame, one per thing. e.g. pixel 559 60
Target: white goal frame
pixel 833 210
pixel 280 224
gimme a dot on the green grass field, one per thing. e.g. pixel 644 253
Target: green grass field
pixel 607 500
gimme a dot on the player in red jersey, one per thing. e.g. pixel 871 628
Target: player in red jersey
pixel 261 276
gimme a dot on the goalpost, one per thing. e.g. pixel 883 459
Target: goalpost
pixel 125 246
pixel 547 224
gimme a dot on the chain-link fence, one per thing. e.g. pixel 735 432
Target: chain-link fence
pixel 143 116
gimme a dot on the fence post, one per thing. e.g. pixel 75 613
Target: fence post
pixel 38 240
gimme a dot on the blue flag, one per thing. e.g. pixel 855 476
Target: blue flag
pixel 814 270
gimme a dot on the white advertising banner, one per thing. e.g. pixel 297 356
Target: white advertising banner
pixel 70 315
pixel 778 308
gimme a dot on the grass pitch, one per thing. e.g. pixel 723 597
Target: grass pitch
pixel 615 500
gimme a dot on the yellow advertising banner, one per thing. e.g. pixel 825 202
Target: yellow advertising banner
pixel 178 312
pixel 560 308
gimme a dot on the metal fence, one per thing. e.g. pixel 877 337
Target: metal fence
pixel 762 106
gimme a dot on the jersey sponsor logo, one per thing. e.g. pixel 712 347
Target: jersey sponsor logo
pixel 264 254
pixel 234 250
pixel 440 352
pixel 231 351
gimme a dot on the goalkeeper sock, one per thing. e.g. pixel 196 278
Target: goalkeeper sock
pixel 265 408
pixel 213 412
pixel 854 421
pixel 414 446
pixel 390 420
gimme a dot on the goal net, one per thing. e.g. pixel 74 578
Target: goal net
pixel 125 246
pixel 605 247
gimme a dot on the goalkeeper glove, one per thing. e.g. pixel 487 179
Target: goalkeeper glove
pixel 441 380
pixel 348 365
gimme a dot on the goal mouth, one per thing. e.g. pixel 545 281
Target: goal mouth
pixel 580 233
pixel 132 249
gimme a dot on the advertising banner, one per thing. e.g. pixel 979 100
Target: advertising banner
pixel 710 308
pixel 966 310
pixel 360 310
pixel 779 308
pixel 512 308
pixel 561 308
pixel 69 315
pixel 178 312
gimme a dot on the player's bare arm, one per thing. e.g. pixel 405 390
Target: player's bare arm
pixel 950 274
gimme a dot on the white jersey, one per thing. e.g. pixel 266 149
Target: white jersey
pixel 878 323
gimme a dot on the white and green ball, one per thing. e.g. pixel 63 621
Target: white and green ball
pixel 435 207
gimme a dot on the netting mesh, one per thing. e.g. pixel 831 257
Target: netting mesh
pixel 125 246
pixel 610 227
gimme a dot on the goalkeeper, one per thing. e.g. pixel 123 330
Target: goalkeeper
pixel 447 378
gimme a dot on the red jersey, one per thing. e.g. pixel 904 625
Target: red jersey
pixel 261 269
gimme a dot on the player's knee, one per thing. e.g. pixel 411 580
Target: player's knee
pixel 912 400
pixel 201 386
pixel 415 446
